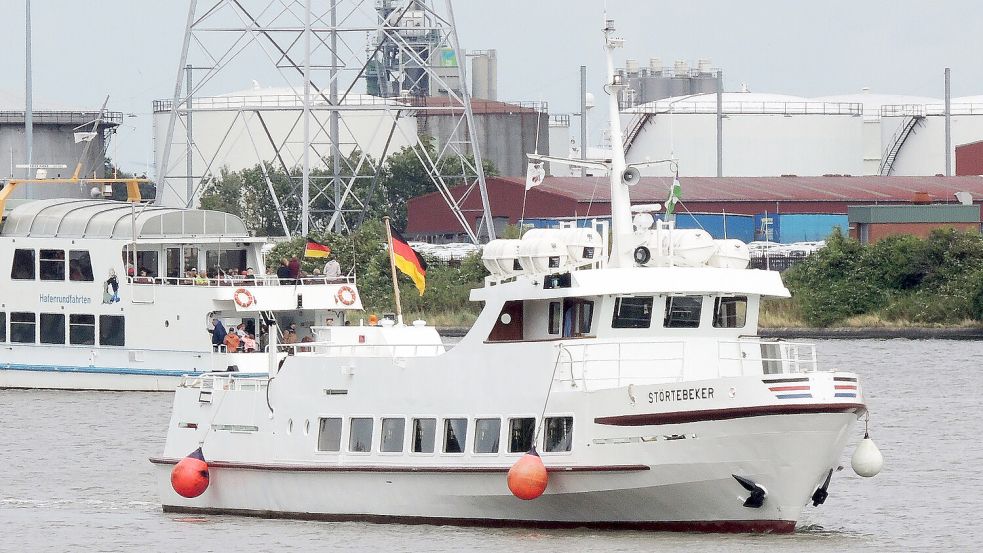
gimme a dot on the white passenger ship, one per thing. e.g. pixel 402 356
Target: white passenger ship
pixel 77 311
pixel 638 376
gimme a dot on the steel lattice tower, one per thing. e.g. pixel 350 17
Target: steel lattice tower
pixel 327 54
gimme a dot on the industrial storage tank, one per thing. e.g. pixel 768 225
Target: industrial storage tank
pixel 917 133
pixel 763 135
pixel 239 129
pixel 875 150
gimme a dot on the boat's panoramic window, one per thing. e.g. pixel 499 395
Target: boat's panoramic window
pixel 486 434
pixel 329 435
pixel 229 261
pixel 556 316
pixel 52 328
pixel 632 312
pixel 82 330
pixel 683 311
pixel 23 328
pixel 23 266
pixel 111 330
pixel 455 435
pixel 730 312
pixel 521 433
pixel 577 316
pixel 360 435
pixel 52 266
pixel 392 435
pixel 424 435
pixel 3 327
pixel 79 266
pixel 559 434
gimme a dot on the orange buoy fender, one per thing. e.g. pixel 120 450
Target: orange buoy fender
pixel 190 476
pixel 528 477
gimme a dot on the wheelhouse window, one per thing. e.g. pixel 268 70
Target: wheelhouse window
pixel 329 435
pixel 486 433
pixel 23 266
pixel 556 317
pixel 455 435
pixel 577 316
pixel 632 312
pixel 228 261
pixel 392 435
pixel 730 312
pixel 3 327
pixel 23 328
pixel 521 433
pixel 79 266
pixel 52 328
pixel 558 434
pixel 112 330
pixel 82 330
pixel 360 435
pixel 683 311
pixel 52 265
pixel 424 435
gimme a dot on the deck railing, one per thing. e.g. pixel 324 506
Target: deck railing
pixel 239 281
pixel 598 365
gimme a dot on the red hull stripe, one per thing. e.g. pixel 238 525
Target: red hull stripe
pixel 720 526
pixel 845 387
pixel 277 467
pixel 681 417
pixel 788 388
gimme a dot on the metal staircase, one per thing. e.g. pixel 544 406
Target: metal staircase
pixel 897 141
pixel 636 127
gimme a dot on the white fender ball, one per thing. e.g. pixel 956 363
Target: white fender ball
pixel 867 460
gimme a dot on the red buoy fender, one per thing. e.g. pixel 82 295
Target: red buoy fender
pixel 190 476
pixel 528 477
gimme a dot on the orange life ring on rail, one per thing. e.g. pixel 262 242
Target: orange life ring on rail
pixel 243 297
pixel 346 295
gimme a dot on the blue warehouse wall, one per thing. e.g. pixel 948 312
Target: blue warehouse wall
pixel 808 227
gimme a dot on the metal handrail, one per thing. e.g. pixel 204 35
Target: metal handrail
pixel 751 108
pixel 241 281
pixel 922 110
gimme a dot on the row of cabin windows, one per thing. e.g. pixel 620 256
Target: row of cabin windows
pixel 558 435
pixel 49 328
pixel 51 265
pixel 680 312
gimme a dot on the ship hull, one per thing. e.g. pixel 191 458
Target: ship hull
pixel 643 484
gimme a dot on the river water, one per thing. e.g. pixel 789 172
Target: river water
pixel 76 477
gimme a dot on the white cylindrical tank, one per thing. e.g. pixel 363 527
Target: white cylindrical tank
pixel 501 258
pixel 691 247
pixel 583 245
pixel 730 254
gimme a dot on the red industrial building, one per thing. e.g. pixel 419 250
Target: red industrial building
pixel 430 219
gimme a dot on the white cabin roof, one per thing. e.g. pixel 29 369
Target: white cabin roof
pixel 85 218
pixel 643 280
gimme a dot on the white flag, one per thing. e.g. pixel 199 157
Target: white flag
pixel 84 136
pixel 534 174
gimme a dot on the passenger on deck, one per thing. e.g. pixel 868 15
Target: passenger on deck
pixel 241 330
pixel 283 271
pixel 294 267
pixel 199 278
pixel 305 340
pixel 290 337
pixel 232 342
pixel 218 334
pixel 332 269
pixel 249 343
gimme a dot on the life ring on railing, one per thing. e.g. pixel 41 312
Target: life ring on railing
pixel 243 298
pixel 346 295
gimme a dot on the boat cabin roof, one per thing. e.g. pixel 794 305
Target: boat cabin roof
pixel 97 218
pixel 639 280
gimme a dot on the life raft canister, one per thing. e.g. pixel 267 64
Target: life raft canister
pixel 346 295
pixel 243 298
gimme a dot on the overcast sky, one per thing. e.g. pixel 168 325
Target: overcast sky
pixel 129 49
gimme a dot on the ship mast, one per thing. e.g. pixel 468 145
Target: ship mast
pixel 621 229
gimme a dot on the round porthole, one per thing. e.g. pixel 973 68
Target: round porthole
pixel 505 318
pixel 167 324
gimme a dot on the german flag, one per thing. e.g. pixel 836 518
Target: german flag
pixel 316 249
pixel 409 262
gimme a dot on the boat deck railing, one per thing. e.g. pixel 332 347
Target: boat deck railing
pixel 333 349
pixel 598 365
pixel 239 281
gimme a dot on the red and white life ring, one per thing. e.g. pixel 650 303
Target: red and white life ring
pixel 346 295
pixel 243 297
